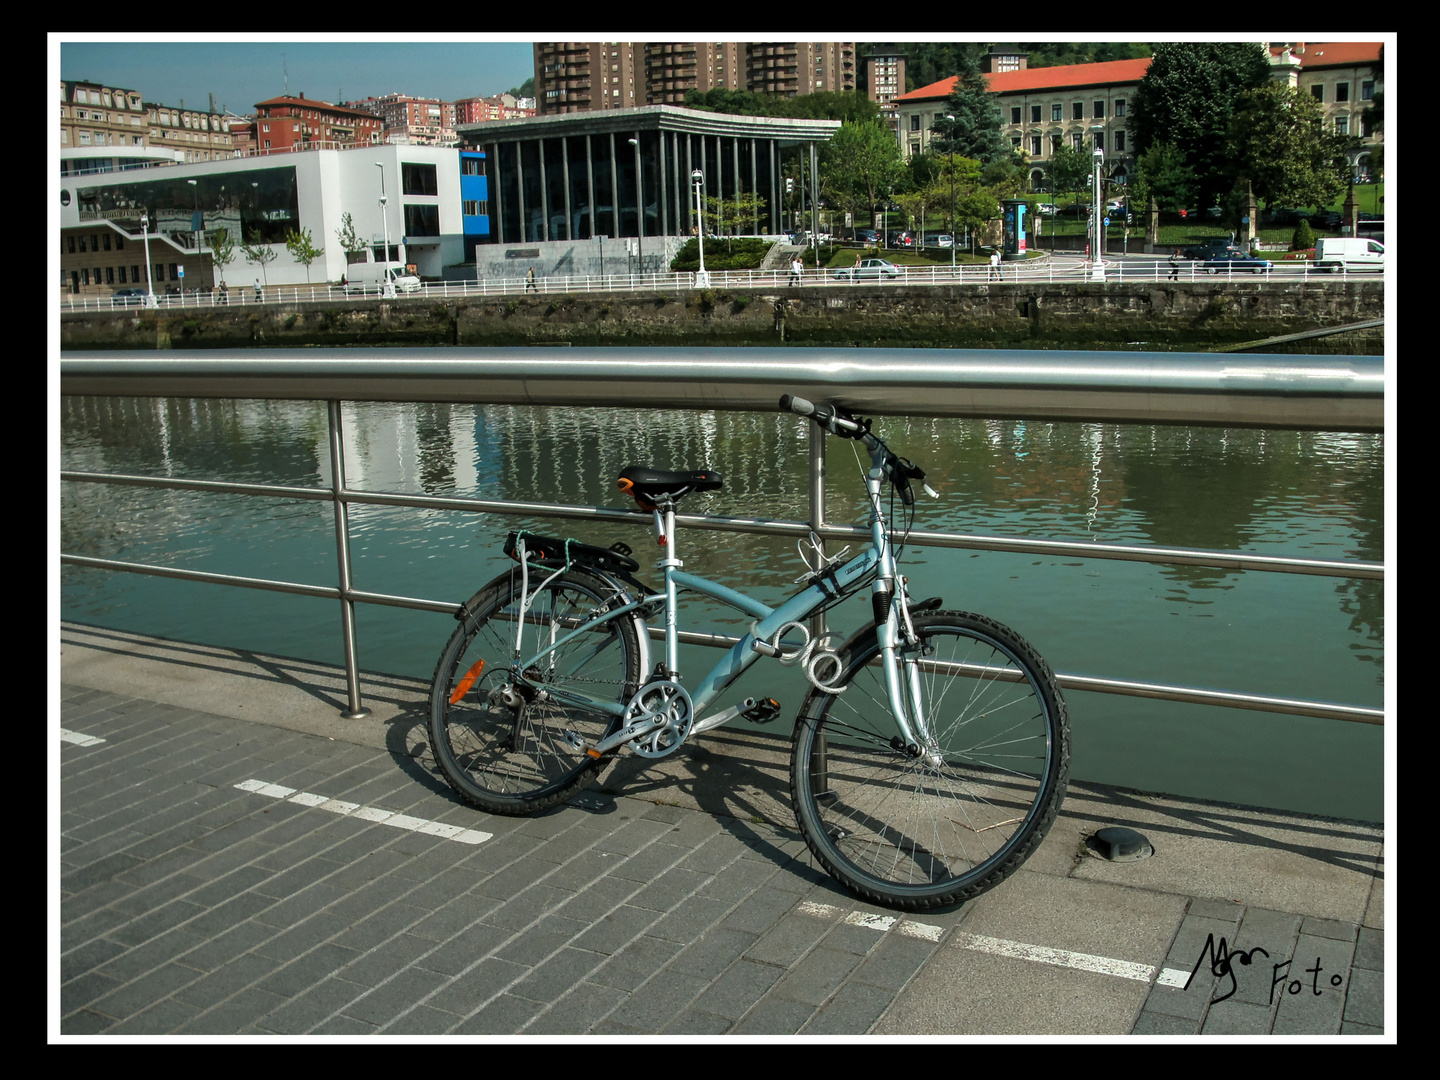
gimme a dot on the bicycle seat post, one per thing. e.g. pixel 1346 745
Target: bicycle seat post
pixel 665 515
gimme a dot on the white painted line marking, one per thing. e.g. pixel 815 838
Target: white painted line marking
pixel 78 738
pixel 821 911
pixel 1173 977
pixel 923 931
pixel 1104 965
pixel 871 921
pixel 366 813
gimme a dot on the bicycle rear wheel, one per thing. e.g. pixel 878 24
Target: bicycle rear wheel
pixel 511 746
pixel 945 825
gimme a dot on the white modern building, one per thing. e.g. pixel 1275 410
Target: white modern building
pixel 435 209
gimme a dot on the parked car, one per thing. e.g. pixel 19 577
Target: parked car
pixel 868 237
pixel 1210 249
pixel 868 268
pixel 1047 209
pixel 128 297
pixel 1335 253
pixel 943 240
pixel 1236 260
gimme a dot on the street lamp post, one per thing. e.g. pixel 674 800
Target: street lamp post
pixel 149 283
pixel 639 205
pixel 953 238
pixel 1097 268
pixel 388 288
pixel 199 232
pixel 702 279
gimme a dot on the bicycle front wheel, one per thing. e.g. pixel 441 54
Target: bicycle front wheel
pixel 921 830
pixel 513 745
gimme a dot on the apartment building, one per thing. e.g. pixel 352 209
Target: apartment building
pixel 589 76
pixel 1340 76
pixel 885 81
pixel 413 120
pixel 791 68
pixel 482 110
pixel 296 123
pixel 101 126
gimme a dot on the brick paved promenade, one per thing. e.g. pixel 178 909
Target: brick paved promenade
pixel 235 859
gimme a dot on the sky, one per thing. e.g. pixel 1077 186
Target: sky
pixel 241 72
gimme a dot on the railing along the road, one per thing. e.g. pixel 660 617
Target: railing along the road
pixel 1059 270
pixel 1336 393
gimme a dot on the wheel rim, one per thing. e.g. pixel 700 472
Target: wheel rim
pixel 540 751
pixel 950 819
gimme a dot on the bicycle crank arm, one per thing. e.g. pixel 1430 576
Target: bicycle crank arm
pixel 627 733
pixel 723 717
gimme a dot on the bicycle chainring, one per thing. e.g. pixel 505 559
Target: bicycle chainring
pixel 662 698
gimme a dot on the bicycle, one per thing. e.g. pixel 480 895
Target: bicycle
pixel 929 756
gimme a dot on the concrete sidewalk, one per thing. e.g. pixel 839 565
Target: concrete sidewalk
pixel 234 858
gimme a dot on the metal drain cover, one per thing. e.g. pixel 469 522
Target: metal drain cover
pixel 1119 844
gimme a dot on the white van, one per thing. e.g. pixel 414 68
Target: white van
pixel 370 277
pixel 1334 253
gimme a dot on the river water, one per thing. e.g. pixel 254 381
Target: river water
pixel 1318 495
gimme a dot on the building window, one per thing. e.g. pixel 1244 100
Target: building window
pixel 1057 112
pixel 1120 106
pixel 1318 91
pixel 422 220
pixel 1342 125
pixel 1100 109
pixel 472 166
pixel 1119 142
pixel 109 275
pixel 1342 91
pixel 915 123
pixel 72 244
pixel 135 273
pixel 1077 139
pixel 1367 90
pixel 1035 145
pixel 1099 140
pixel 107 241
pixel 1035 114
pixel 1077 111
pixel 174 271
pixel 1015 114
pixel 82 244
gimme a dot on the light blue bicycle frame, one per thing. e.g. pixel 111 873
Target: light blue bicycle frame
pixel 875 564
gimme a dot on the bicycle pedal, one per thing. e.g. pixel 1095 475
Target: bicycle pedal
pixel 763 711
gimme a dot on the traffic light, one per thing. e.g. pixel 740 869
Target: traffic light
pixel 789 185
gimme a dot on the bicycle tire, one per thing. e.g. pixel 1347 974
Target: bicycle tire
pixel 519 762
pixel 917 832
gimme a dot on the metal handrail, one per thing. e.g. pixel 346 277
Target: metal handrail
pixel 1047 270
pixel 83 376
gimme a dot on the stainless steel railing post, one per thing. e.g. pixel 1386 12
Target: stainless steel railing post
pixel 817 508
pixel 357 711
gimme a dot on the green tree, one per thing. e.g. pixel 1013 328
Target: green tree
pixel 861 166
pixel 1280 144
pixel 1069 168
pixel 1188 97
pixel 302 246
pixel 970 123
pixel 737 214
pixel 222 250
pixel 1161 173
pixel 350 241
pixel 974 210
pixel 258 254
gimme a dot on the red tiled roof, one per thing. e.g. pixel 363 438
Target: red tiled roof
pixel 1046 78
pixel 1327 53
pixel 314 103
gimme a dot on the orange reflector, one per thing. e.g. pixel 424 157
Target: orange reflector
pixel 467 682
pixel 592 752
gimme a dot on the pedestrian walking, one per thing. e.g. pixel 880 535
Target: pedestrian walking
pixel 530 280
pixel 259 293
pixel 1175 266
pixel 995 274
pixel 797 269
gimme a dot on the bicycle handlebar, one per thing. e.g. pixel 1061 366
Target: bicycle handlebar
pixel 827 416
pixel 832 419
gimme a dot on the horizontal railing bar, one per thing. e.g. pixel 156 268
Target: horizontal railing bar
pixel 1321 393
pixel 328 592
pixel 1218 560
